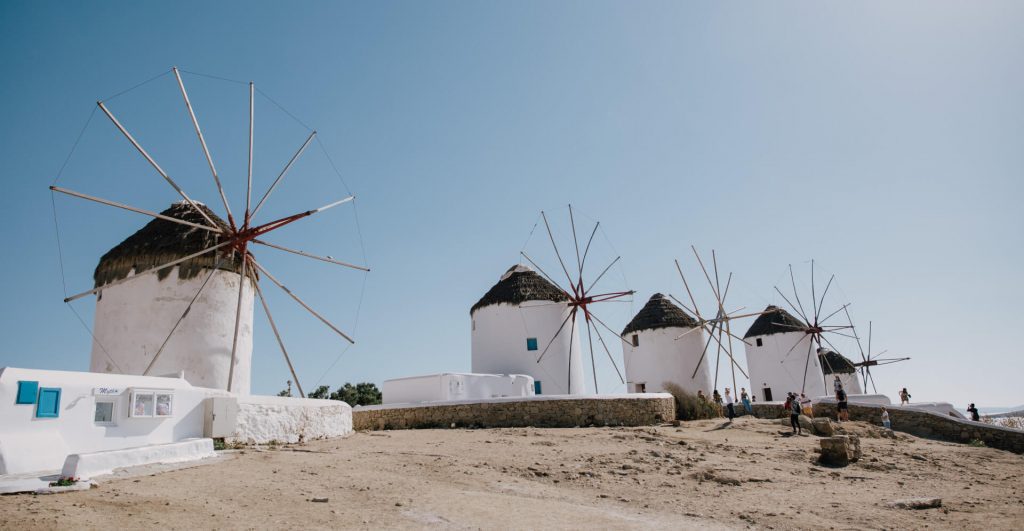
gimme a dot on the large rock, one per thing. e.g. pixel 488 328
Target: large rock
pixel 840 450
pixel 823 426
pixel 916 503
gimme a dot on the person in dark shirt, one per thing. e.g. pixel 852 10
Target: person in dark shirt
pixel 842 406
pixel 974 412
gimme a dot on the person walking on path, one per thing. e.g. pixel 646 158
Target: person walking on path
pixel 730 404
pixel 794 413
pixel 745 398
pixel 904 397
pixel 885 419
pixel 974 412
pixel 716 397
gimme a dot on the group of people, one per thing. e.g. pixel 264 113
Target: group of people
pixel 727 404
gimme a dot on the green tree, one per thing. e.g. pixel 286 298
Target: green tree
pixel 360 394
pixel 321 392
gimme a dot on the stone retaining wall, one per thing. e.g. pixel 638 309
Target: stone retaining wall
pixel 933 425
pixel 541 412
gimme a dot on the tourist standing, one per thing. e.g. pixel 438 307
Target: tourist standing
pixel 717 398
pixel 837 384
pixel 885 419
pixel 730 404
pixel 805 405
pixel 904 397
pixel 745 398
pixel 700 395
pixel 974 412
pixel 794 413
pixel 842 406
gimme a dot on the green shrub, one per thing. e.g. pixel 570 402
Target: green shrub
pixel 688 406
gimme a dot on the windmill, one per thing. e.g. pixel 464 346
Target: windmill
pixel 581 297
pixel 224 242
pixel 814 325
pixel 869 359
pixel 718 327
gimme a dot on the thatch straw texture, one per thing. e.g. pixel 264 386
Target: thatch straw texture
pixel 777 321
pixel 518 285
pixel 833 362
pixel 162 241
pixel 659 312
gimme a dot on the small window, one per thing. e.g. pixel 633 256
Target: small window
pixel 474 325
pixel 48 405
pixel 104 413
pixel 531 343
pixel 759 342
pixel 536 387
pixel 767 391
pixel 641 387
pixel 27 392
pixel 636 340
pixel 151 403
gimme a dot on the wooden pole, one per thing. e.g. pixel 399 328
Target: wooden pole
pixel 238 320
pixel 308 255
pixel 248 185
pixel 133 209
pixel 280 342
pixel 301 302
pixel 283 172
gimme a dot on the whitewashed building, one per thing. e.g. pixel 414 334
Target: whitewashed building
pixel 777 350
pixel 451 386
pixel 653 356
pixel 516 322
pixel 835 364
pixel 134 319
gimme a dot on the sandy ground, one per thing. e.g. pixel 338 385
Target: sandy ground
pixel 706 474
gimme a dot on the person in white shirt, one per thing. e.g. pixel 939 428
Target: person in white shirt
pixel 885 419
pixel 730 404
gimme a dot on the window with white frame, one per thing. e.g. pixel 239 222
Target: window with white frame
pixel 152 403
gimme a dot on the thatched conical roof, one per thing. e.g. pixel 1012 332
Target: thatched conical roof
pixel 659 312
pixel 833 362
pixel 162 241
pixel 518 285
pixel 777 321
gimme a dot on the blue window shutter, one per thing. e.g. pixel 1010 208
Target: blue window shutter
pixel 531 343
pixel 536 387
pixel 27 392
pixel 49 403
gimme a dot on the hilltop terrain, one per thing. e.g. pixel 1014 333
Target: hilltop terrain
pixel 708 474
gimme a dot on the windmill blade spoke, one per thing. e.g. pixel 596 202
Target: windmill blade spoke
pixel 576 243
pixel 280 176
pixel 703 353
pixel 686 333
pixel 277 334
pixel 706 275
pixel 153 163
pixel 735 364
pixel 872 378
pixel 857 337
pixel 309 255
pixel 791 305
pixel 206 150
pixel 599 277
pixel 688 292
pixel 841 308
pixel 301 302
pixel 838 334
pixel 238 322
pixel 814 298
pixel 821 302
pixel 572 336
pixel 558 254
pixel 796 294
pixel 685 307
pixel 609 353
pixel 542 272
pixel 807 365
pixel 718 355
pixel 133 209
pixel 714 263
pixel 568 316
pixel 602 323
pixel 798 341
pixel 248 184
pixel 177 323
pixel 890 361
pixel 593 364
pixel 146 272
pixel 586 251
pixel 278 223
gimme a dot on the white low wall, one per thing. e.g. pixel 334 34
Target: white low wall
pixel 90 465
pixel 455 386
pixel 264 419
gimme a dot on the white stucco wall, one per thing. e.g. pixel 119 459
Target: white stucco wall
pixel 262 419
pixel 455 386
pixel 28 443
pixel 661 358
pixel 133 320
pixel 769 366
pixel 499 334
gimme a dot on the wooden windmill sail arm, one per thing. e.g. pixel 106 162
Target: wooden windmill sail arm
pixel 133 209
pixel 206 150
pixel 280 342
pixel 248 184
pixel 791 305
pixel 551 236
pixel 796 294
pixel 280 176
pixel 184 314
pixel 681 303
pixel 568 316
pixel 599 277
pixel 148 271
pixel 571 296
pixel 309 255
pixel 586 250
pixel 301 302
pixel 593 365
pixel 602 323
pixel 153 163
pixel 686 285
pixel 841 308
pixel 703 353
pixel 238 320
pixel 611 358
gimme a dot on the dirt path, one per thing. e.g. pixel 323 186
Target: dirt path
pixel 704 474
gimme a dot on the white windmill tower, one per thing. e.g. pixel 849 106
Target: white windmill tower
pixel 652 354
pixel 509 324
pixel 177 296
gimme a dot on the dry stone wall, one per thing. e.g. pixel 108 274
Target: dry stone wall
pixel 933 425
pixel 637 410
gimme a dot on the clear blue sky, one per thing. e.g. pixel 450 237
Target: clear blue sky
pixel 882 139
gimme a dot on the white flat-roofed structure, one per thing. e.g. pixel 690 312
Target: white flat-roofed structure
pixel 654 356
pixel 455 386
